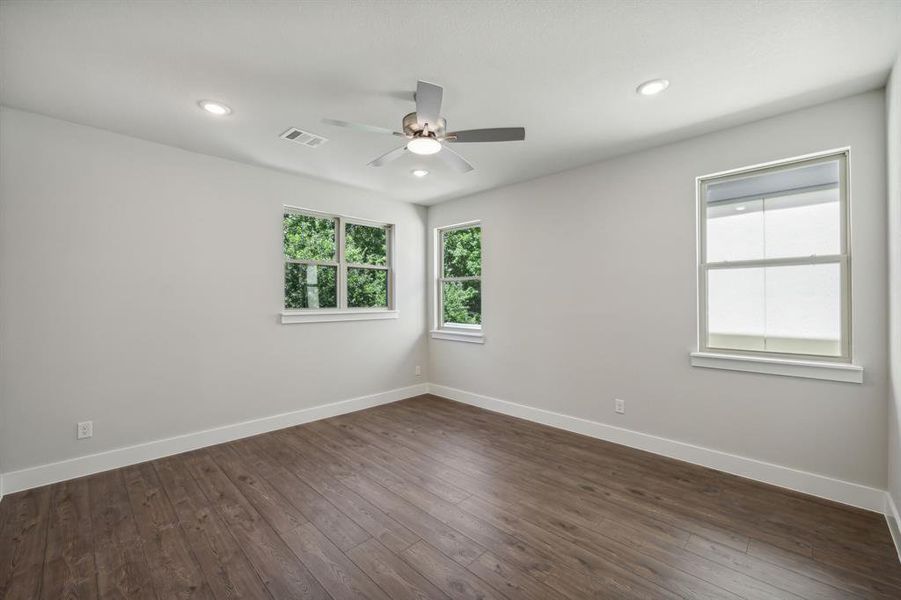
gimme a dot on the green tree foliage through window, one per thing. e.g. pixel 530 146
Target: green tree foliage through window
pixel 463 252
pixel 463 302
pixel 365 245
pixel 310 286
pixel 367 288
pixel 309 238
pixel 462 263
pixel 316 267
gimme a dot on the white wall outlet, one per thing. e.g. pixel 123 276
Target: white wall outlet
pixel 418 370
pixel 85 430
pixel 619 406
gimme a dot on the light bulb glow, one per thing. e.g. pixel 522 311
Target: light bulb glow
pixel 419 172
pixel 424 145
pixel 652 87
pixel 214 108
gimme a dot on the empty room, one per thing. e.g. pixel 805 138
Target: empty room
pixel 450 299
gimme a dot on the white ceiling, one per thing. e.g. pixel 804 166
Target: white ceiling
pixel 565 70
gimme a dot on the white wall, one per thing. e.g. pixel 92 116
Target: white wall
pixel 589 294
pixel 893 112
pixel 3 423
pixel 141 287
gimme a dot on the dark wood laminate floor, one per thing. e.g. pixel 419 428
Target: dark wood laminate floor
pixel 426 498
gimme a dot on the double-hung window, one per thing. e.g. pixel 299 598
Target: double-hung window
pixel 459 283
pixel 774 265
pixel 336 265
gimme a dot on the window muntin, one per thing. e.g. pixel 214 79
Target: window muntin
pixel 774 269
pixel 460 277
pixel 334 262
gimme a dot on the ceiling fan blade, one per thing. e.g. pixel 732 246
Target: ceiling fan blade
pixel 388 157
pixel 455 160
pixel 497 134
pixel 428 104
pixel 360 126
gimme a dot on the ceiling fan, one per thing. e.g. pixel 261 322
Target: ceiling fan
pixel 426 132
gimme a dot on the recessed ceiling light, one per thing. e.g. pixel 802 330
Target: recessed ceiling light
pixel 652 87
pixel 419 172
pixel 423 145
pixel 214 108
pixel 740 207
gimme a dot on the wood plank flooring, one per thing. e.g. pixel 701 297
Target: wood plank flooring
pixel 427 498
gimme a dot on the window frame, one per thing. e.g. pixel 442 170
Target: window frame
pixel 454 331
pixel 296 315
pixel 843 259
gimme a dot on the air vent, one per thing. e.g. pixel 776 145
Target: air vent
pixel 311 140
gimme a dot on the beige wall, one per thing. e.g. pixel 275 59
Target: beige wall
pixel 589 294
pixel 141 288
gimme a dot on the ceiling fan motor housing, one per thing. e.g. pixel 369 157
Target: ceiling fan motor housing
pixel 412 128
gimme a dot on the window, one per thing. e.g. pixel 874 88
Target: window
pixel 333 265
pixel 459 283
pixel 774 272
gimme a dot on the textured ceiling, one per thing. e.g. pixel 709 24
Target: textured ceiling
pixel 565 70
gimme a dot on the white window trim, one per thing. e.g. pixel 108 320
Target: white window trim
pixel 458 336
pixel 331 315
pixel 815 367
pixel 830 371
pixel 342 312
pixel 455 332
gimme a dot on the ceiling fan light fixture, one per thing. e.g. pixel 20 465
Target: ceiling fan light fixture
pixel 424 145
pixel 419 173
pixel 652 87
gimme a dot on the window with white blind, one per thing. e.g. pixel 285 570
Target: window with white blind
pixel 774 264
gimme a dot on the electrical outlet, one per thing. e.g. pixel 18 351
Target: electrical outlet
pixel 418 370
pixel 85 430
pixel 620 406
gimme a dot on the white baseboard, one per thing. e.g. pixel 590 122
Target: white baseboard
pixel 822 486
pixel 810 483
pixel 17 481
pixel 894 522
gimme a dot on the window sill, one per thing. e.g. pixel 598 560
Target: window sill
pixel 332 315
pixel 780 366
pixel 474 337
